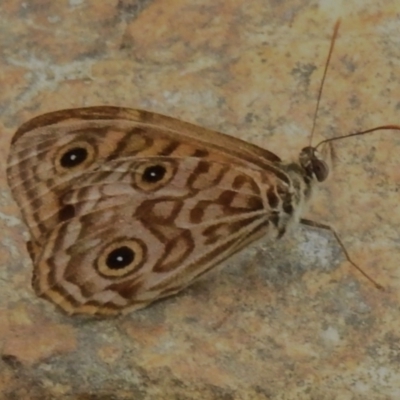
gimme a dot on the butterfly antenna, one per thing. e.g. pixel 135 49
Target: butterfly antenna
pixel 334 36
pixel 377 128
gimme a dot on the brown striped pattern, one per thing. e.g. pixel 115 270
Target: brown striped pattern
pixel 125 206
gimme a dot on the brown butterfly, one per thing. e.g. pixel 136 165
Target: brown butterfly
pixel 125 207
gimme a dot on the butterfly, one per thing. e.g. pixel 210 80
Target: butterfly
pixel 125 207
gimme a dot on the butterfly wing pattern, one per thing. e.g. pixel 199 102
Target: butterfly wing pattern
pixel 125 207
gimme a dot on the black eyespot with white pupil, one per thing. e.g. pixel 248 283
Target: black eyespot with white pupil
pixel 73 157
pixel 150 176
pixel 154 173
pixel 120 257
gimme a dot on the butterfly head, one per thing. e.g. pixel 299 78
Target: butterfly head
pixel 313 164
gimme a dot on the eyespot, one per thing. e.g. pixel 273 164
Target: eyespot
pixel 73 156
pixel 121 257
pixel 154 175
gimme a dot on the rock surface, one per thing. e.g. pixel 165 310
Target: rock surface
pixel 289 321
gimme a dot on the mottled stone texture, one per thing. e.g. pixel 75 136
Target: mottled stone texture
pixel 290 321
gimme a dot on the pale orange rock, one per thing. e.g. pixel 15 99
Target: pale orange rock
pixel 30 341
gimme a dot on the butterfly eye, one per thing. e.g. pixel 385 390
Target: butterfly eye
pixel 320 170
pixel 154 175
pixel 313 165
pixel 74 156
pixel 121 258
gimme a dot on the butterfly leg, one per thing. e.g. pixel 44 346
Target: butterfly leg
pixel 315 224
